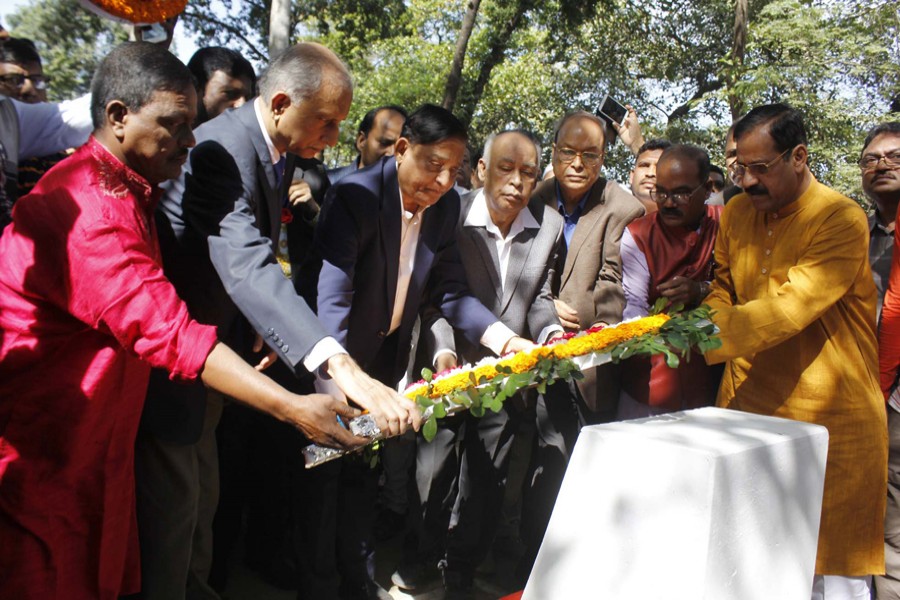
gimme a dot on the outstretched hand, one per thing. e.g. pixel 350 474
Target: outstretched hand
pixel 318 417
pixel 393 413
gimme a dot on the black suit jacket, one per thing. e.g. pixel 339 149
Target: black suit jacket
pixel 358 239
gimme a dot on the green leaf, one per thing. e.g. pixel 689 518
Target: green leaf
pixel 429 429
pixel 427 374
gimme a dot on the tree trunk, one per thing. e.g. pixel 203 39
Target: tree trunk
pixel 738 48
pixel 279 26
pixel 496 51
pixel 454 79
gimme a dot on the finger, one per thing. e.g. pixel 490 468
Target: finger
pixel 257 343
pixel 267 361
pixel 343 409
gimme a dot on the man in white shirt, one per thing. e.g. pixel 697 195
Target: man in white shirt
pixel 508 247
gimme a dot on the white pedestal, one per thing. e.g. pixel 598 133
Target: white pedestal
pixel 707 504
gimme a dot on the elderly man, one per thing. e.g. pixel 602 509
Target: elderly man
pixel 587 282
pixel 378 132
pixel 225 79
pixel 218 223
pixel 384 233
pixel 508 247
pixel 879 164
pixel 643 175
pixel 669 254
pixel 75 358
pixel 795 303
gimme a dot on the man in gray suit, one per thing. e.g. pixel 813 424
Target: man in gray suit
pixel 218 223
pixel 508 247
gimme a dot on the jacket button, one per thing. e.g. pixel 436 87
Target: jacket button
pixel 270 332
pixel 285 348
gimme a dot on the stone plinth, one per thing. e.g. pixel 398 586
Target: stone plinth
pixel 705 504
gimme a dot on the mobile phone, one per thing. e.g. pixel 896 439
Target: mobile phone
pixel 153 33
pixel 612 111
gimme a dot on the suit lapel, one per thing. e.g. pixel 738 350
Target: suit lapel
pixel 586 224
pixel 518 258
pixel 390 228
pixel 269 210
pixel 487 250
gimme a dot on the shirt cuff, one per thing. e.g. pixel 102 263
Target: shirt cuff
pixel 546 332
pixel 443 351
pixel 321 352
pixel 496 337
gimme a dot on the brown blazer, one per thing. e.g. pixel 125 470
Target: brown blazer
pixel 589 274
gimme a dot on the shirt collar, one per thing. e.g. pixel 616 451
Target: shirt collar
pixel 479 216
pixel 119 180
pixel 562 205
pixel 875 223
pixel 273 151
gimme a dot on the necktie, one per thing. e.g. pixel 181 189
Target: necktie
pixel 279 172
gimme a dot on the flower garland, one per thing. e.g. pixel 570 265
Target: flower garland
pixel 596 339
pixel 136 11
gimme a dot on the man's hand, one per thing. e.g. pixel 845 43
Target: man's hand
pixel 392 412
pixel 630 130
pixel 682 290
pixel 567 315
pixel 268 360
pixel 300 193
pixel 316 415
pixel 444 362
pixel 518 344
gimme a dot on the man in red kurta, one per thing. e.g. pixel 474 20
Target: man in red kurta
pixel 669 254
pixel 85 311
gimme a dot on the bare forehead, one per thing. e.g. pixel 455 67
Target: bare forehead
pixel 581 130
pixel 444 150
pixel 513 146
pixel 884 142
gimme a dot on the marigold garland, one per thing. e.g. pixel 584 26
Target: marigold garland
pixel 136 11
pixel 597 339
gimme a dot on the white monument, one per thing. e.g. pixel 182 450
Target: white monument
pixel 708 504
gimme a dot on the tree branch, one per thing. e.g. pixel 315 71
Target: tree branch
pixel 238 33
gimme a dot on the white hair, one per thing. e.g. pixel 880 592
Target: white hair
pixel 489 142
pixel 301 71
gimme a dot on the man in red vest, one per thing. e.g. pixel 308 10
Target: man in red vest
pixel 669 254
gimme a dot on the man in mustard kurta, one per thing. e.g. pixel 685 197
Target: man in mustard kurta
pixel 795 303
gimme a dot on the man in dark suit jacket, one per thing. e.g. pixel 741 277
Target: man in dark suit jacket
pixel 217 226
pixel 508 247
pixel 387 239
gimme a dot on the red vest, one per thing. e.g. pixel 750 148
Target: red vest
pixel 672 252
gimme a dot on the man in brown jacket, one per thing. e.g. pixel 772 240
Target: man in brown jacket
pixel 587 291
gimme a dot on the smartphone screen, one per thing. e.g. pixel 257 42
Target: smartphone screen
pixel 612 110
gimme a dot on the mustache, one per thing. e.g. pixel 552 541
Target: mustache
pixel 672 212
pixel 756 190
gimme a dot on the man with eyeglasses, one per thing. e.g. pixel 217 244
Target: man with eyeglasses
pixel 21 74
pixel 669 254
pixel 795 304
pixel 879 165
pixel 587 284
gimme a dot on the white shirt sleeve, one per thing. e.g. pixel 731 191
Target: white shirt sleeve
pixel 321 352
pixel 46 128
pixel 496 337
pixel 635 278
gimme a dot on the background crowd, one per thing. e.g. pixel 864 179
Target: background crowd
pixel 194 229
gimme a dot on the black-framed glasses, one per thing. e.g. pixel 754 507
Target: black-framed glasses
pixel 738 170
pixel 680 198
pixel 567 155
pixel 870 162
pixel 17 80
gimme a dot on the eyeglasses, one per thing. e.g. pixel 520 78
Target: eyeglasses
pixel 870 161
pixel 567 155
pixel 17 80
pixel 738 170
pixel 679 198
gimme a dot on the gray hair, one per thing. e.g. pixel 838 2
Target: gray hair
pixel 301 71
pixel 489 142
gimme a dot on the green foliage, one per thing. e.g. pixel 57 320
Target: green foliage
pixel 70 39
